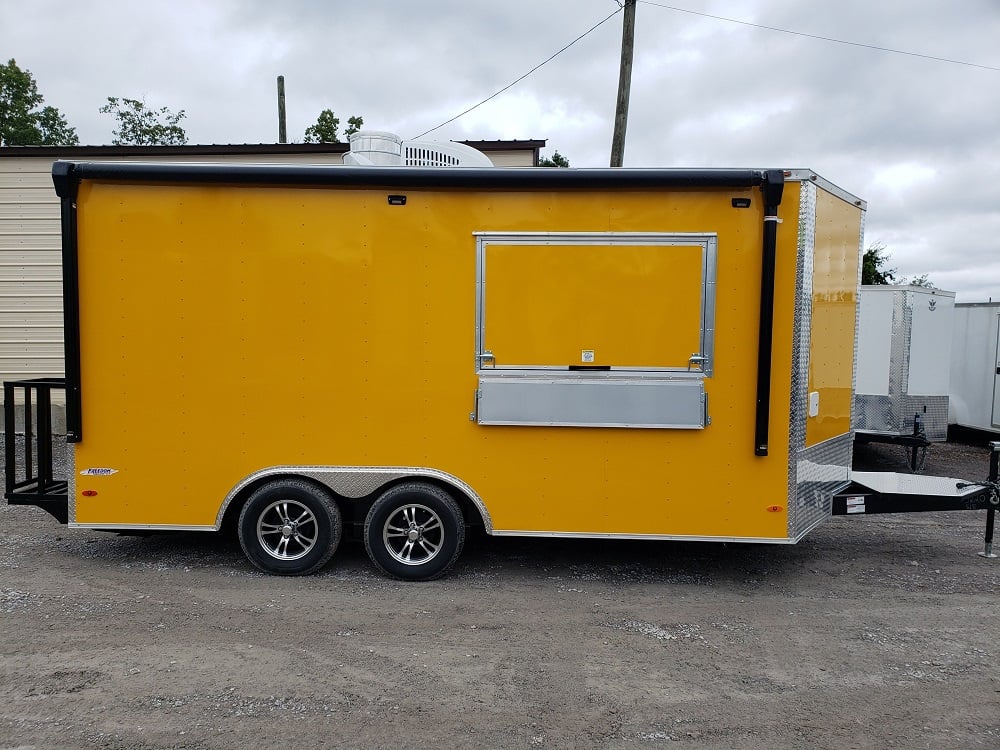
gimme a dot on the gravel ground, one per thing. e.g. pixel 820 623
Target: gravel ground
pixel 873 632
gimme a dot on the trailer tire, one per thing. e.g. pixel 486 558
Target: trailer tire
pixel 290 527
pixel 414 532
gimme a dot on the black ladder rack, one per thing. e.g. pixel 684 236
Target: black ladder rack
pixel 33 482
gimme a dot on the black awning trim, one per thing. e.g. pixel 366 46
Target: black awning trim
pixel 67 174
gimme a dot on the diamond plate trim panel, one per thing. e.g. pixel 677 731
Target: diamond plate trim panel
pixel 821 471
pixel 874 413
pixel 933 411
pixel 806 247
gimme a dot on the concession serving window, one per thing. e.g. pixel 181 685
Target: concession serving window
pixel 594 329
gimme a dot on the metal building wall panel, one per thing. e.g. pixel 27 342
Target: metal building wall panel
pixel 26 209
pixel 31 334
pixel 21 287
pixel 17 306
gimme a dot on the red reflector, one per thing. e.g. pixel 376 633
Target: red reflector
pixel 89 493
pixel 770 508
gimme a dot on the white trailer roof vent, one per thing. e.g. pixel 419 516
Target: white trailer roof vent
pixel 438 154
pixel 375 148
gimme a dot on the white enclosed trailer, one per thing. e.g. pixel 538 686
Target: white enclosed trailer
pixel 904 362
pixel 975 366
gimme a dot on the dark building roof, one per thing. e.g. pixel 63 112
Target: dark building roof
pixel 247 149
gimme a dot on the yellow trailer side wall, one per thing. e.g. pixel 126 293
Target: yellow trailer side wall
pixel 228 329
pixel 834 316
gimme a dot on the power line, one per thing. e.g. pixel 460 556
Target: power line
pixel 517 81
pixel 823 38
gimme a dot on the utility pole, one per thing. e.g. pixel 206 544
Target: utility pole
pixel 624 84
pixel 282 133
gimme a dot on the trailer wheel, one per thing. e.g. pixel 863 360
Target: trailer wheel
pixel 414 532
pixel 289 527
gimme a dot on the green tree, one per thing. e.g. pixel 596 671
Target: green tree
pixel 138 125
pixel 557 160
pixel 54 129
pixel 874 268
pixel 22 123
pixel 920 280
pixel 354 124
pixel 327 127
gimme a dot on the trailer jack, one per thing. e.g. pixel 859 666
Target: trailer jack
pixel 993 485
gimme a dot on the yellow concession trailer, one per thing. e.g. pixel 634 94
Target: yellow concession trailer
pixel 402 352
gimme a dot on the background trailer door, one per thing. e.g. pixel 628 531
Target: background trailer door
pixel 975 366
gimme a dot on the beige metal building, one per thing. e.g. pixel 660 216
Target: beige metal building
pixel 31 325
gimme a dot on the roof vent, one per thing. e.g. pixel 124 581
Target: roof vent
pixel 375 148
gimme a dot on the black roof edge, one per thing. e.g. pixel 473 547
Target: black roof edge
pixel 66 174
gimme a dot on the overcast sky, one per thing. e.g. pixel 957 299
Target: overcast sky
pixel 918 138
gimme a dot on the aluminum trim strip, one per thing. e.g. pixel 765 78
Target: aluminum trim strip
pixel 71 485
pixel 139 527
pixel 651 537
pixel 355 482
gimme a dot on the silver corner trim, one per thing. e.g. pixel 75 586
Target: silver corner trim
pixel 354 482
pixel 807 175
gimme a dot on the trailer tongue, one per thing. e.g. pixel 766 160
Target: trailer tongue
pixel 878 492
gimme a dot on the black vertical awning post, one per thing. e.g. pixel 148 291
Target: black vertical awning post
pixel 774 183
pixel 66 188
